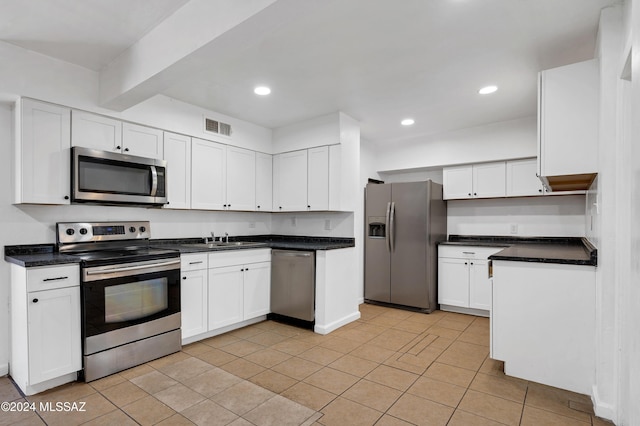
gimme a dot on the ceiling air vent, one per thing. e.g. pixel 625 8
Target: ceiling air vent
pixel 217 127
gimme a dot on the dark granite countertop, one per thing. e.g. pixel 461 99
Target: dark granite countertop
pixel 37 255
pixel 285 242
pixel 564 250
pixel 46 254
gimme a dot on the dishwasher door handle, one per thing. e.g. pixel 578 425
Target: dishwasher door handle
pixel 289 254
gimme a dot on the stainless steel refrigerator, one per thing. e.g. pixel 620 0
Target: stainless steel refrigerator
pixel 404 222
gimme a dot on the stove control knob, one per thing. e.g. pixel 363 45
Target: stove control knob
pixel 143 229
pixel 83 231
pixel 70 231
pixel 132 229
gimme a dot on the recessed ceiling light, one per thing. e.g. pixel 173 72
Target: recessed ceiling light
pixel 488 89
pixel 407 121
pixel 262 90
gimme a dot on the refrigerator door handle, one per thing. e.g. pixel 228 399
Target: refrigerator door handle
pixel 392 227
pixel 387 229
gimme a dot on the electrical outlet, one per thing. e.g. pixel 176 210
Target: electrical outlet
pixel 513 228
pixel 327 225
pixel 294 221
pixel 252 224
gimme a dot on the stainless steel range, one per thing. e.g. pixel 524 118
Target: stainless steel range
pixel 130 295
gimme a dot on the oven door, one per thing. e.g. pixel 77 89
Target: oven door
pixel 129 302
pixel 111 178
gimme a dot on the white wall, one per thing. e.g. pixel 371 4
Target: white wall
pixel 551 216
pixel 496 141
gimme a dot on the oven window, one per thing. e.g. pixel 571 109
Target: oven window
pixel 126 302
pixel 97 175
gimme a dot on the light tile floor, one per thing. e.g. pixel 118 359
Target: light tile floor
pixel 392 367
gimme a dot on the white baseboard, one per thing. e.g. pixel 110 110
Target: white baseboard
pixel 360 300
pixel 328 328
pixel 4 369
pixel 602 409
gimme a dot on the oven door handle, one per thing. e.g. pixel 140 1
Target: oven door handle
pixel 152 267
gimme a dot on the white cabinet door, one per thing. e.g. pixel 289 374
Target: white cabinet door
pixel 194 302
pixel 96 131
pixel 290 181
pixel 257 289
pixel 226 302
pixel 489 180
pixel 54 333
pixel 479 285
pixel 241 179
pixel 264 182
pixel 142 141
pixel 453 282
pixel 318 178
pixel 568 119
pixel 457 182
pixel 208 175
pixel 43 140
pixel 177 153
pixel 521 178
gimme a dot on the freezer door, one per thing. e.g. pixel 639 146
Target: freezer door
pixel 409 236
pixel 377 261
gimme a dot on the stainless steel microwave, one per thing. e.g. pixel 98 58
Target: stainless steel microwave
pixel 102 177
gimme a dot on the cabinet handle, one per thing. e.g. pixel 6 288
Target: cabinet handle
pixel 246 269
pixel 469 194
pixel 118 147
pixel 471 263
pixel 465 263
pixel 475 193
pixel 126 150
pixel 280 207
pixel 539 190
pixel 35 300
pixel 229 206
pixel 258 206
pixel 241 270
pixel 469 252
pixel 195 263
pixel 184 278
pixel 66 197
pixel 55 279
pixel 224 205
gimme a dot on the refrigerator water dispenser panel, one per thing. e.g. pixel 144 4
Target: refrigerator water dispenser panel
pixel 377 227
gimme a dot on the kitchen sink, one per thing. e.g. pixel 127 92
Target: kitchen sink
pixel 219 244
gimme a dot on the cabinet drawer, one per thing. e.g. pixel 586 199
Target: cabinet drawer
pixel 193 262
pixel 470 252
pixel 239 257
pixel 52 277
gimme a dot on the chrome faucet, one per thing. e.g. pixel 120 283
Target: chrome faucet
pixel 226 237
pixel 213 238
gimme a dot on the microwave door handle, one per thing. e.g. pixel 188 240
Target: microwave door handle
pixel 154 181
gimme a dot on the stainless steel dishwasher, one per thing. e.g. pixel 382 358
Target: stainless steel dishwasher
pixel 293 287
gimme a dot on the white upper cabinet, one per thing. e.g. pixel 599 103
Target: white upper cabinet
pixel 142 141
pixel 109 134
pixel 457 182
pixel 241 179
pixel 43 141
pixel 96 131
pixel 484 180
pixel 568 108
pixel 489 180
pixel 177 153
pixel 522 180
pixel 208 175
pixel 318 178
pixel 290 181
pixel 264 182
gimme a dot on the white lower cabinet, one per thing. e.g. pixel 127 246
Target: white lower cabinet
pixel 463 279
pixel 223 289
pixel 543 322
pixel 45 326
pixel 225 296
pixel 193 295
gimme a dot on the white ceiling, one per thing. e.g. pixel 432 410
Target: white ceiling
pixel 376 60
